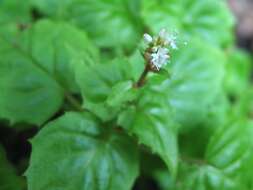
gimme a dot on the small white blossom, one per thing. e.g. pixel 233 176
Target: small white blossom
pixel 157 52
pixel 160 58
pixel 163 33
pixel 168 39
pixel 172 41
pixel 147 38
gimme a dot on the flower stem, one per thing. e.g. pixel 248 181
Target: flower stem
pixel 142 78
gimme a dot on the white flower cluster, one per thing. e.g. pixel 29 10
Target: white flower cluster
pixel 157 53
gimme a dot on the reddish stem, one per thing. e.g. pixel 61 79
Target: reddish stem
pixel 142 78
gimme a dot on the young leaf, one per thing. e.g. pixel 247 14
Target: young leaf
pixel 112 23
pixel 100 85
pixel 35 70
pixel 154 127
pixel 81 154
pixel 121 93
pixel 9 180
pixel 192 18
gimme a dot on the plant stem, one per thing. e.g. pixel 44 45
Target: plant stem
pixel 76 105
pixel 142 78
pixel 193 160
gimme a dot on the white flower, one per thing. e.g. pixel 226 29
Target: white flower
pixel 163 33
pixel 157 51
pixel 147 38
pixel 172 41
pixel 160 57
pixel 168 39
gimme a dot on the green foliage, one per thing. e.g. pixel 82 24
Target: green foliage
pixel 78 72
pixel 192 78
pixel 155 128
pixel 14 11
pixel 35 73
pixel 99 18
pixel 9 180
pixel 207 19
pixel 79 150
pixel 238 72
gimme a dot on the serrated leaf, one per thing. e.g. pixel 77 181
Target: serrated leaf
pixel 112 23
pixel 195 71
pixel 206 178
pixel 228 154
pixel 97 81
pixel 35 72
pixel 81 154
pixel 229 148
pixel 192 18
pixel 154 127
pixel 9 180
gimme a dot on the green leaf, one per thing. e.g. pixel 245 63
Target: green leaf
pixel 112 23
pixel 199 135
pixel 229 148
pixel 164 179
pixel 121 93
pixel 227 163
pixel 96 80
pixel 100 85
pixel 206 178
pixel 81 154
pixel 14 11
pixel 244 106
pixel 196 70
pixel 218 112
pixel 238 73
pixel 35 70
pixel 9 180
pixel 191 18
pixel 247 171
pixel 137 63
pixel 154 127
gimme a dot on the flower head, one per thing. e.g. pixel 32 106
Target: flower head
pixel 168 39
pixel 159 57
pixel 157 52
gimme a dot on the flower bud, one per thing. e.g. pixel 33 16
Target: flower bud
pixel 147 38
pixel 157 52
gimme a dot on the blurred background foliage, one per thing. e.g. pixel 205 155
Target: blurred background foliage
pixel 211 84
